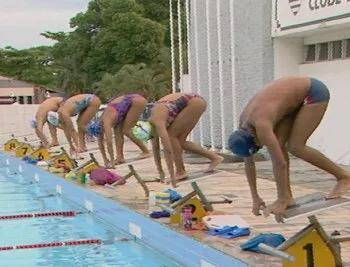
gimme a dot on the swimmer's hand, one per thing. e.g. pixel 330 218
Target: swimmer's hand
pixel 258 204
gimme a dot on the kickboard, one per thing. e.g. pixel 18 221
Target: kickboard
pixel 312 204
pixel 219 221
pixel 197 176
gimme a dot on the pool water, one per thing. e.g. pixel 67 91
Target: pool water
pixel 17 196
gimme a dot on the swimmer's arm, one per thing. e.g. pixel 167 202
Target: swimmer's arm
pixel 68 128
pixel 250 171
pixel 157 158
pixel 39 130
pixel 168 150
pixel 268 138
pixel 101 146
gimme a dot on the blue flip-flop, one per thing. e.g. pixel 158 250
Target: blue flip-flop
pixel 270 239
pixel 220 231
pixel 237 232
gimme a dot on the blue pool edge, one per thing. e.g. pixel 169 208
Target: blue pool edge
pixel 182 249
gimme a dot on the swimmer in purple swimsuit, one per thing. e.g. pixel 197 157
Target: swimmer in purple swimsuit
pixel 83 105
pixel 282 116
pixel 121 114
pixel 174 116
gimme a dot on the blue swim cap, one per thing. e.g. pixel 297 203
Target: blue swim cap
pixel 241 143
pixel 94 128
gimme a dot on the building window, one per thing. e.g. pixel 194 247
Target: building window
pixel 323 52
pixel 21 100
pixel 347 48
pixel 29 100
pixel 334 50
pixel 337 48
pixel 310 53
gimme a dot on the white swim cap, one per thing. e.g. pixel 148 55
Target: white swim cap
pixel 52 117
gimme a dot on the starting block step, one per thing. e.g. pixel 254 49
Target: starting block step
pixel 311 205
pixel 197 176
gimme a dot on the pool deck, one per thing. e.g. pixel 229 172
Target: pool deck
pixel 305 180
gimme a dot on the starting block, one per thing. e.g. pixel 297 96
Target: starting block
pixel 311 246
pixel 198 212
pixel 23 149
pixel 11 144
pixel 88 166
pixel 41 154
pixel 138 178
pixel 193 178
pixel 64 159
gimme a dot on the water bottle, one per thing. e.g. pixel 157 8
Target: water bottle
pixel 187 218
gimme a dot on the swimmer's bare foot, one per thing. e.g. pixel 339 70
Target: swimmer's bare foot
pixel 53 144
pixel 340 188
pixel 82 150
pixel 119 161
pixel 144 155
pixel 181 177
pixel 214 163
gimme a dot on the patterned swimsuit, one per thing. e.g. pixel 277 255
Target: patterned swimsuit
pixel 177 105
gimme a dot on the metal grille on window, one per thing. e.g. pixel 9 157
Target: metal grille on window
pixel 310 53
pixel 337 49
pixel 323 51
pixel 347 48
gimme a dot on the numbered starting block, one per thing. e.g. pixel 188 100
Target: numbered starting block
pixel 24 149
pixel 88 166
pixel 11 145
pixel 192 179
pixel 63 159
pixel 41 154
pixel 311 246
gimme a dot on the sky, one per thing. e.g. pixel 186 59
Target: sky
pixel 22 21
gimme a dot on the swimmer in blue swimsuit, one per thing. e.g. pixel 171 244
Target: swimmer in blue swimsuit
pixel 83 105
pixel 121 114
pixel 174 116
pixel 282 117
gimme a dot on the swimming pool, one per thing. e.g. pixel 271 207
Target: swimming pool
pixel 128 238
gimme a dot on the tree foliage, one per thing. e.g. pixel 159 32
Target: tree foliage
pixel 114 47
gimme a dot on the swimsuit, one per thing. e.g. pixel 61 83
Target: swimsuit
pixel 80 105
pixel 123 107
pixel 318 92
pixel 176 106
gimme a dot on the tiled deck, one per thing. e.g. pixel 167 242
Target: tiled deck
pixel 305 180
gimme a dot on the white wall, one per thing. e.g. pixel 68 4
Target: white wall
pixel 15 119
pixel 288 55
pixel 332 136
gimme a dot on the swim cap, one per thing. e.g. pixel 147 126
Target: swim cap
pixel 94 128
pixel 143 130
pixel 33 124
pixel 52 117
pixel 241 143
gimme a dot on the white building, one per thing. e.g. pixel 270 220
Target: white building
pixel 312 38
pixel 236 47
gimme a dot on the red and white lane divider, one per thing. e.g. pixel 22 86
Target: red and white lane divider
pixel 41 214
pixel 62 244
pixel 54 244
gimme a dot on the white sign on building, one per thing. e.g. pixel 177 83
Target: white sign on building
pixel 293 16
